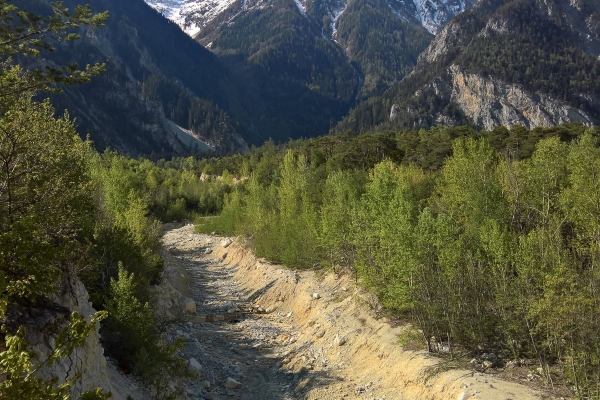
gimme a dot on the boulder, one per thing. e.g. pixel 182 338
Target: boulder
pixel 226 242
pixel 194 366
pixel 231 383
pixel 204 385
pixel 187 305
pixel 339 340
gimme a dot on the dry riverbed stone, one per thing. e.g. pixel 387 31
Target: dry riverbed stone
pixel 187 305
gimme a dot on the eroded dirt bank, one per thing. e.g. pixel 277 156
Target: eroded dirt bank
pixel 264 332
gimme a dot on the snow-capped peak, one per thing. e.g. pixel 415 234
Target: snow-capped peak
pixel 193 15
pixel 190 15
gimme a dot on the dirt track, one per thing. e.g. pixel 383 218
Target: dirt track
pixel 282 334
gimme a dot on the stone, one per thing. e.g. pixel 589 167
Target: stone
pixel 316 296
pixel 339 340
pixel 226 242
pixel 231 383
pixel 187 305
pixel 194 366
pixel 204 385
pixel 210 396
pixel 394 111
pixel 487 364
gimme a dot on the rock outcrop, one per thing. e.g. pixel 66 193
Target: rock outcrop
pixel 87 360
pixel 44 320
pixel 490 102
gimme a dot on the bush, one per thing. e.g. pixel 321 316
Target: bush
pixel 132 333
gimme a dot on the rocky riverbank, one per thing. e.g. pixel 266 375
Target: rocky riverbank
pixel 260 331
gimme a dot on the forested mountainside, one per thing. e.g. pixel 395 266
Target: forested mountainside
pixel 353 49
pixel 155 74
pixel 502 62
pixel 376 42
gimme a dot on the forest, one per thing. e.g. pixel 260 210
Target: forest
pixel 489 246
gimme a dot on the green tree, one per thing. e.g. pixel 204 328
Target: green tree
pixel 134 332
pixel 297 212
pixel 340 194
pixel 44 189
pixel 24 33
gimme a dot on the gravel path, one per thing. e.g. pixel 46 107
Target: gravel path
pixel 238 347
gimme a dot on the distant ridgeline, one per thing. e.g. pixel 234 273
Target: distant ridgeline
pixel 285 70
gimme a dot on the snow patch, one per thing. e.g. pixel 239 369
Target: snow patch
pixel 335 14
pixel 435 14
pixel 300 7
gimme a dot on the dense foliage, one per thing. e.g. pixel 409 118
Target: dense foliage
pixel 495 250
pixel 66 211
pixel 43 195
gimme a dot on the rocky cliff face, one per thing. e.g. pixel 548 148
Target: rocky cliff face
pixel 43 321
pixel 87 360
pixel 491 102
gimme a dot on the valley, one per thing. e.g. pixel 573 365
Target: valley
pixel 284 334
pixel 300 199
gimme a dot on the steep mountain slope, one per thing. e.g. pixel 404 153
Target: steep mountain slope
pixel 155 85
pixel 504 62
pixel 380 39
pixel 300 81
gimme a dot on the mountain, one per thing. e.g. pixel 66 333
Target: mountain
pixel 161 93
pixel 193 15
pixel 307 62
pixel 501 63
